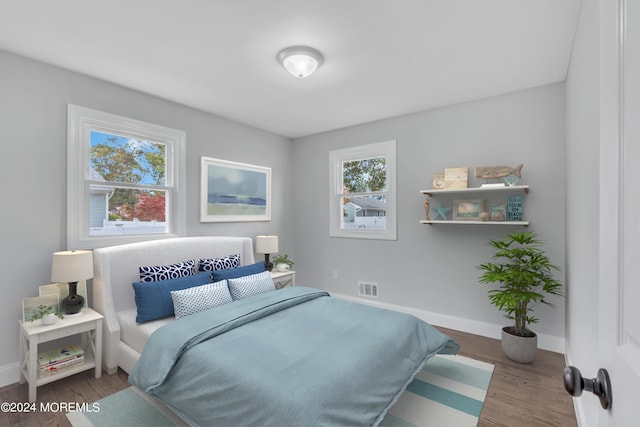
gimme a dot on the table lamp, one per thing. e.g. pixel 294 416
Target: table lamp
pixel 267 245
pixel 71 267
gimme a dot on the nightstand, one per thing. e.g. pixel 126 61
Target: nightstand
pixel 282 279
pixel 88 324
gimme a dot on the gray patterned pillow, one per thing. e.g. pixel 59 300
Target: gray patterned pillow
pixel 247 286
pixel 193 300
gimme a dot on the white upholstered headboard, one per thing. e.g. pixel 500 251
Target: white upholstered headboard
pixel 116 268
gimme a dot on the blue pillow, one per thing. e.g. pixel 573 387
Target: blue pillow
pixel 234 273
pixel 153 299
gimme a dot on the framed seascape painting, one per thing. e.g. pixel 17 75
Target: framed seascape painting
pixel 232 191
pixel 467 210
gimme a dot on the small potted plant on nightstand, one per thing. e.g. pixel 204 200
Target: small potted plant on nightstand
pixel 47 314
pixel 525 277
pixel 283 263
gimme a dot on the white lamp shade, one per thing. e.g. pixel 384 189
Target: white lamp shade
pixel 300 61
pixel 266 244
pixel 72 266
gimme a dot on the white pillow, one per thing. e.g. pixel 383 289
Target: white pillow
pixel 193 300
pixel 254 284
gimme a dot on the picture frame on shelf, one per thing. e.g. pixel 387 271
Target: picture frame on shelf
pixel 30 306
pixel 456 177
pixel 437 181
pixel 498 212
pixel 467 210
pixel 233 192
pixel 514 208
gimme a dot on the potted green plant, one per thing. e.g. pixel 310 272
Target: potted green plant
pixel 283 263
pixel 526 277
pixel 47 314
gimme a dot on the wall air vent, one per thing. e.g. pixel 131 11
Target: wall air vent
pixel 368 289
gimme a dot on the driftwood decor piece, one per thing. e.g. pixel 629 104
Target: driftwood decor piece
pixel 495 172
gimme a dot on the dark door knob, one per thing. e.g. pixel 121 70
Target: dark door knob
pixel 600 386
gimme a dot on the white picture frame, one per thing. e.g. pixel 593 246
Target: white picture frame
pixel 30 305
pixel 232 191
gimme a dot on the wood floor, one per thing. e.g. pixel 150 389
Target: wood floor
pixel 519 395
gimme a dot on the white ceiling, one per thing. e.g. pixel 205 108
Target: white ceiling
pixel 383 58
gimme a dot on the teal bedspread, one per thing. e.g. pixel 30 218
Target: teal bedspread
pixel 292 357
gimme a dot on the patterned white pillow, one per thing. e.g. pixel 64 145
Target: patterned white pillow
pixel 199 298
pixel 156 273
pixel 254 284
pixel 223 263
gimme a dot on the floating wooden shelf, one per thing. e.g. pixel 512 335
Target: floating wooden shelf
pixel 514 188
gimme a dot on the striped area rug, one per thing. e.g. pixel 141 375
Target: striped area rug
pixel 449 392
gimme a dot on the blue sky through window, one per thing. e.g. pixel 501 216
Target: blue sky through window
pixel 138 148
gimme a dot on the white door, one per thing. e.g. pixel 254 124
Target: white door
pixel 619 311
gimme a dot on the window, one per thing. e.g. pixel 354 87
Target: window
pixel 363 197
pixel 125 180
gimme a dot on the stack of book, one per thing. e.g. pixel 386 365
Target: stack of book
pixel 54 361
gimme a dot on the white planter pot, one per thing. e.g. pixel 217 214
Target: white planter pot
pixel 519 349
pixel 49 319
pixel 282 267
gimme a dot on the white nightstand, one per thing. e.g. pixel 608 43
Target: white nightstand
pixel 88 323
pixel 282 279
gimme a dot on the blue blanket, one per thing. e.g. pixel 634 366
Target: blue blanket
pixel 292 357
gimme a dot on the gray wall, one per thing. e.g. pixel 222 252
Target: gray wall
pixel 432 268
pixel 33 103
pixel 583 145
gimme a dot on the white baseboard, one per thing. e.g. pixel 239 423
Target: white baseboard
pixel 491 330
pixel 9 374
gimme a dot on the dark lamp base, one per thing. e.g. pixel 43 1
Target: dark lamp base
pixel 268 265
pixel 73 303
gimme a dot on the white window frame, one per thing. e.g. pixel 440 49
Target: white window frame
pixel 385 149
pixel 80 122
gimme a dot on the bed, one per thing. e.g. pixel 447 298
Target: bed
pixel 295 356
pixel 117 267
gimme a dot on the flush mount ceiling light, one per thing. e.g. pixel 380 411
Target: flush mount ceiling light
pixel 300 61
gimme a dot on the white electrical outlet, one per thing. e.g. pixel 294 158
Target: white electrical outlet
pixel 335 274
pixel 368 289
